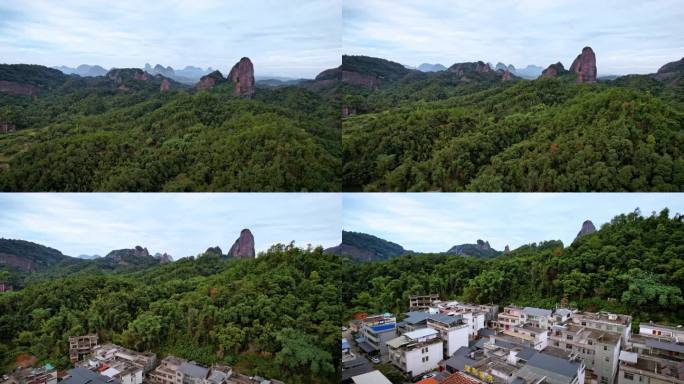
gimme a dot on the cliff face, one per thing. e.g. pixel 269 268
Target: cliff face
pixel 554 70
pixel 243 248
pixel 584 66
pixel 209 81
pixel 242 75
pixel 587 229
pixel 17 89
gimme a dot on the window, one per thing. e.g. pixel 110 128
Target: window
pixel 426 358
pixel 607 358
pixel 569 337
pixel 629 376
pixel 605 347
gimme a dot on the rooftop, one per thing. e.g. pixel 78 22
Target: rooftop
pixel 372 377
pixel 420 333
pixel 554 364
pixel 192 369
pixel 540 312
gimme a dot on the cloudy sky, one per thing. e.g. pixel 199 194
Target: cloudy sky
pixel 433 222
pixel 628 36
pixel 296 38
pixel 180 224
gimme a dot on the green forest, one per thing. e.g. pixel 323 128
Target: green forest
pixel 446 132
pixel 632 265
pixel 277 315
pixel 92 134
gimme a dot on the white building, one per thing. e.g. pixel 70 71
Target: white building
pixel 416 352
pixel 537 338
pixel 675 334
pixel 453 332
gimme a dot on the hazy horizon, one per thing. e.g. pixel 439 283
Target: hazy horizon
pixel 433 222
pixel 299 39
pixel 628 37
pixel 184 224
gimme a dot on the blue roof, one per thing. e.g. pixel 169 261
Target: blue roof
pixel 383 327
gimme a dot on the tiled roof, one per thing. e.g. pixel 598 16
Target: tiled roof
pixel 459 378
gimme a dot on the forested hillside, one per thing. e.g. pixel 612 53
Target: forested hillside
pixel 633 265
pixel 471 130
pixel 277 315
pixel 130 131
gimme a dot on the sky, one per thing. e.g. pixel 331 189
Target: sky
pixel 180 224
pixel 434 222
pixel 292 38
pixel 628 36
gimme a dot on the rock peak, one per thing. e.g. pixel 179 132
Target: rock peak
pixel 242 75
pixel 584 66
pixel 587 229
pixel 243 248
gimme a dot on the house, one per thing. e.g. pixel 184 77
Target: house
pixel 675 334
pixel 637 368
pixel 538 317
pixel 47 374
pixel 510 317
pixel 165 373
pixel 422 302
pixel 354 367
pixel 416 352
pixel 191 373
pixel 453 332
pixel 372 377
pixel 6 127
pixel 603 321
pixel 85 376
pixel 599 349
pixel 80 346
pixel 552 369
pixel 124 365
pixel 376 331
pixel 528 334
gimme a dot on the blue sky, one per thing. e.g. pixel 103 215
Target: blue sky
pixel 433 222
pixel 297 38
pixel 180 224
pixel 628 36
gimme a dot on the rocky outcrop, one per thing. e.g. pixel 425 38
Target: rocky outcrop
pixel 163 258
pixel 209 81
pixel 119 75
pixel 483 245
pixel 507 250
pixel 140 252
pixel 506 76
pixel 17 89
pixel 584 66
pixel 671 73
pixel 214 250
pixel 6 127
pixel 15 261
pixel 354 78
pixel 242 76
pixel 587 229
pixel 554 70
pixel 462 69
pixel 165 85
pixel 243 248
pixel 348 111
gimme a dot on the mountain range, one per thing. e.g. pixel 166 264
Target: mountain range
pixel 364 247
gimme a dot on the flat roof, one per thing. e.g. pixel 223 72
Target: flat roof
pixel 372 377
pixel 532 311
pixel 554 364
pixel 672 347
pixel 418 333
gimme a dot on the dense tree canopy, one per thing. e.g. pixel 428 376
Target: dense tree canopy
pixel 633 265
pixel 450 133
pixel 277 315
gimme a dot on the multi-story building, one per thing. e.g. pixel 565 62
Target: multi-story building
pixel 538 317
pixel 376 331
pixel 416 352
pixel 475 316
pixel 638 368
pixel 165 373
pixel 530 335
pixel 191 373
pixel 599 349
pixel 125 365
pixel 602 321
pixel 81 375
pixel 551 369
pixel 40 375
pixel 422 302
pixel 510 317
pixel 80 346
pixel 675 334
pixel 451 329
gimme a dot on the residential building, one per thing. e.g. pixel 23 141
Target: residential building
pixel 510 317
pixel 81 375
pixel 538 317
pixel 165 373
pixel 80 346
pixel 191 373
pixel 372 377
pixel 416 352
pixel 599 349
pixel 602 321
pixel 552 370
pixel 376 331
pixel 636 368
pixel 422 302
pixel 529 334
pixel 47 374
pixel 475 316
pixel 451 329
pixel 124 365
pixel 675 334
pixel 355 367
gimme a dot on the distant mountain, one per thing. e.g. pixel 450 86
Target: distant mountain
pixel 83 70
pixel 529 72
pixel 27 256
pixel 481 250
pixel 426 67
pixel 587 229
pixel 89 257
pixel 371 72
pixel 365 247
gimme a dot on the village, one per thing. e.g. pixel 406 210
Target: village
pixel 113 364
pixel 448 342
